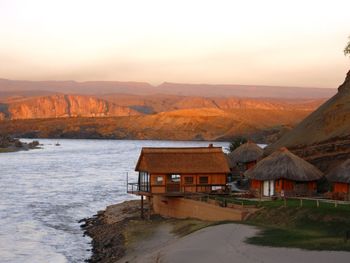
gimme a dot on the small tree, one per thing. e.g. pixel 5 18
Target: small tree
pixel 236 142
pixel 347 48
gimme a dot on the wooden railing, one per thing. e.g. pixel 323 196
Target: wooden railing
pixel 132 188
pixel 135 188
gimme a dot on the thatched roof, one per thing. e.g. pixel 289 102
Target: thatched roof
pixel 282 164
pixel 246 153
pixel 183 160
pixel 230 162
pixel 340 174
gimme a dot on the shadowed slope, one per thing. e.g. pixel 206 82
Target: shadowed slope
pixel 324 136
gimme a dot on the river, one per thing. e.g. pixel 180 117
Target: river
pixel 45 192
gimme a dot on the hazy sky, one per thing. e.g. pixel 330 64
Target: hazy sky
pixel 291 42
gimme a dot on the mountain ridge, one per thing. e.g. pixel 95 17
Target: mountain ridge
pixel 183 89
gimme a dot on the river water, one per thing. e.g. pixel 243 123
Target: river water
pixel 44 192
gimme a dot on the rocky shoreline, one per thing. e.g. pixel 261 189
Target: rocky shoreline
pixel 106 229
pixel 9 144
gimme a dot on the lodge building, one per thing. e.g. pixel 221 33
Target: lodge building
pixel 177 171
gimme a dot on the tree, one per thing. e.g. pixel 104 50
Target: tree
pixel 238 141
pixel 347 48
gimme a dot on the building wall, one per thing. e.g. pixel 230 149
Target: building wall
pixel 290 188
pixel 341 188
pixel 213 179
pixel 341 191
pixel 255 184
pixel 186 208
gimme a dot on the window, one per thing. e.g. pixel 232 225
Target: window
pixel 159 180
pixel 203 179
pixel 188 180
pixel 175 178
pixel 144 181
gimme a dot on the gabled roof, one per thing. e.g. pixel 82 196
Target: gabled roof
pixel 247 152
pixel 182 160
pixel 282 164
pixel 340 174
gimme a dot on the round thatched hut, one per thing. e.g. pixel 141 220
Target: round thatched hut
pixel 245 156
pixel 340 179
pixel 283 174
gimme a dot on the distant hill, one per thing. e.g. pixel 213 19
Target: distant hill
pixel 180 89
pixel 324 136
pixel 249 91
pixel 186 124
pixel 161 103
pixel 134 110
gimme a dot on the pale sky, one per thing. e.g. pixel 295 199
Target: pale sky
pixel 289 43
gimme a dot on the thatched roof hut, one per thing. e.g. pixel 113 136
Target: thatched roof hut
pixel 282 164
pixel 246 153
pixel 183 160
pixel 340 174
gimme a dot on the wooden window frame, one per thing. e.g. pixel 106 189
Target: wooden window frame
pixel 203 177
pixel 188 177
pixel 159 180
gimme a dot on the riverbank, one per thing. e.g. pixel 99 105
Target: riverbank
pixel 8 144
pixel 119 232
pixel 119 235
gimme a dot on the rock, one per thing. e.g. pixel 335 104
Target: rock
pixel 107 231
pixel 346 85
pixel 10 144
pixel 60 106
pixel 18 144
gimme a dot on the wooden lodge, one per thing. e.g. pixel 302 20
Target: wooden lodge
pixel 177 171
pixel 244 157
pixel 283 174
pixel 340 179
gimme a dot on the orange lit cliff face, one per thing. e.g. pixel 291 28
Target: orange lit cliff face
pixel 63 106
pixel 60 106
pixel 129 110
pixel 127 116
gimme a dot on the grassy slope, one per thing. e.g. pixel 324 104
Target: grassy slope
pixel 307 227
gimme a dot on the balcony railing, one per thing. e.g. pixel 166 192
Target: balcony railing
pixel 133 188
pixel 173 188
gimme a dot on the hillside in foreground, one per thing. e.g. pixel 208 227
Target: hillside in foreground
pixel 323 138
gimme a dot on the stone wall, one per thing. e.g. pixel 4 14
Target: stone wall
pixel 177 207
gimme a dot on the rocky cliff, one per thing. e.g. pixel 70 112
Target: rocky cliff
pixel 59 106
pixel 187 124
pixel 151 117
pixel 162 103
pixel 323 138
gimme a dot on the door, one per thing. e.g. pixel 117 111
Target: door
pixel 272 187
pixel 266 188
pixel 269 188
pixel 173 183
